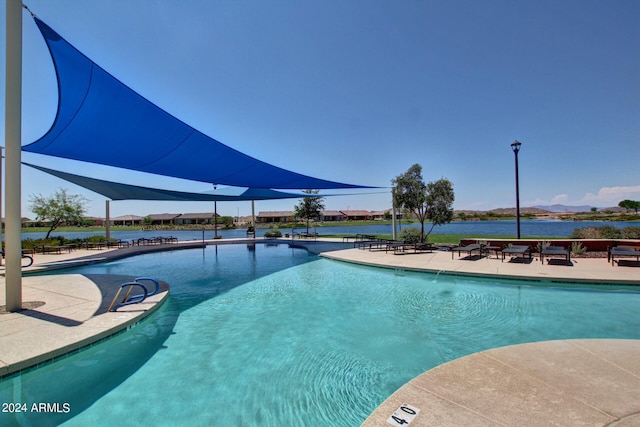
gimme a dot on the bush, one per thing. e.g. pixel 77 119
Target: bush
pixel 606 232
pixel 541 245
pixel 577 248
pixel 273 233
pixel 632 232
pixel 410 235
pixel 610 232
pixel 51 241
pixel 586 233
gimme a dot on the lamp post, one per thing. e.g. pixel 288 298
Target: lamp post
pixel 516 147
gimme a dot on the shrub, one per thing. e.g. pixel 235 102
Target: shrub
pixel 273 233
pixel 610 232
pixel 577 248
pixel 632 232
pixel 541 245
pixel 410 235
pixel 586 233
pixel 606 232
pixel 51 241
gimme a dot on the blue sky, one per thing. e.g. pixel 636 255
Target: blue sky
pixel 358 91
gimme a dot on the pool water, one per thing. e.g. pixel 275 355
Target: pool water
pixel 273 336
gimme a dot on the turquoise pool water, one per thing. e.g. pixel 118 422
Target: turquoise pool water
pixel 273 336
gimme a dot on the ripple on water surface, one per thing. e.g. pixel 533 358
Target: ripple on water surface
pixel 317 343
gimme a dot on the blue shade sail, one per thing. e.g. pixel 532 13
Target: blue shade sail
pixel 118 191
pixel 101 120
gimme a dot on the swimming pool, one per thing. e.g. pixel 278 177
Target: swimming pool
pixel 269 335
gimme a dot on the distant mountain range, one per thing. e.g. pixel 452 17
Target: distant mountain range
pixel 565 208
pixel 584 208
pixel 542 210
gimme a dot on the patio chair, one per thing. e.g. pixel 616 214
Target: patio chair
pixel 516 250
pixel 555 251
pixel 622 251
pixel 402 247
pixel 468 248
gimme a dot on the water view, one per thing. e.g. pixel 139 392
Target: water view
pixel 507 228
pixel 266 335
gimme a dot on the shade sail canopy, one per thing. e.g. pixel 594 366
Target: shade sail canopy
pixel 101 120
pixel 118 191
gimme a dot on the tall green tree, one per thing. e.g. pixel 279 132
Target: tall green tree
pixel 61 208
pixel 630 204
pixel 432 201
pixel 310 207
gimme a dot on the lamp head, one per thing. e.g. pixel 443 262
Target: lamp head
pixel 516 146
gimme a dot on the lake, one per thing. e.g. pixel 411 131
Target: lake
pixel 505 228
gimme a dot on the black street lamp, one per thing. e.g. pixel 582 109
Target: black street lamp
pixel 516 147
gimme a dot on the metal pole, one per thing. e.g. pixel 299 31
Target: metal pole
pixel 13 139
pixel 1 219
pixel 215 219
pixel 253 213
pixel 108 221
pixel 516 148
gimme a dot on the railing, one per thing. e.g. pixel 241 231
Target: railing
pixel 127 298
pixel 24 257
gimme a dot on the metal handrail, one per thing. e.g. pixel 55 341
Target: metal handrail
pixel 155 283
pixel 28 257
pixel 128 300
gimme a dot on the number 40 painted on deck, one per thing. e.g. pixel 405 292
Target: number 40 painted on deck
pixel 403 415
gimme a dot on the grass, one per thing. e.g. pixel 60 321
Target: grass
pixel 76 229
pixel 433 238
pixel 455 238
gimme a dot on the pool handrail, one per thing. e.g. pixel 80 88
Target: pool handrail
pixel 28 257
pixel 128 300
pixel 154 281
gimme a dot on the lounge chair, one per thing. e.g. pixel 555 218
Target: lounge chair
pixel 364 240
pixel 622 251
pixel 468 248
pixel 401 247
pixel 516 250
pixel 555 251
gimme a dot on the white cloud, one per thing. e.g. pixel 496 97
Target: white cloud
pixel 560 199
pixel 537 202
pixel 605 197
pixel 611 196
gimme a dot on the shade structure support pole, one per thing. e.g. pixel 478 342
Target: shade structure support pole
pixel 215 219
pixel 107 220
pixel 1 220
pixel 13 138
pixel 253 213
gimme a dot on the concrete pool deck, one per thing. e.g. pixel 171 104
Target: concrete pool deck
pixel 572 382
pixel 64 313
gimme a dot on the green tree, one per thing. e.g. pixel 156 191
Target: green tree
pixel 310 207
pixel 227 221
pixel 630 204
pixel 62 208
pixel 432 201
